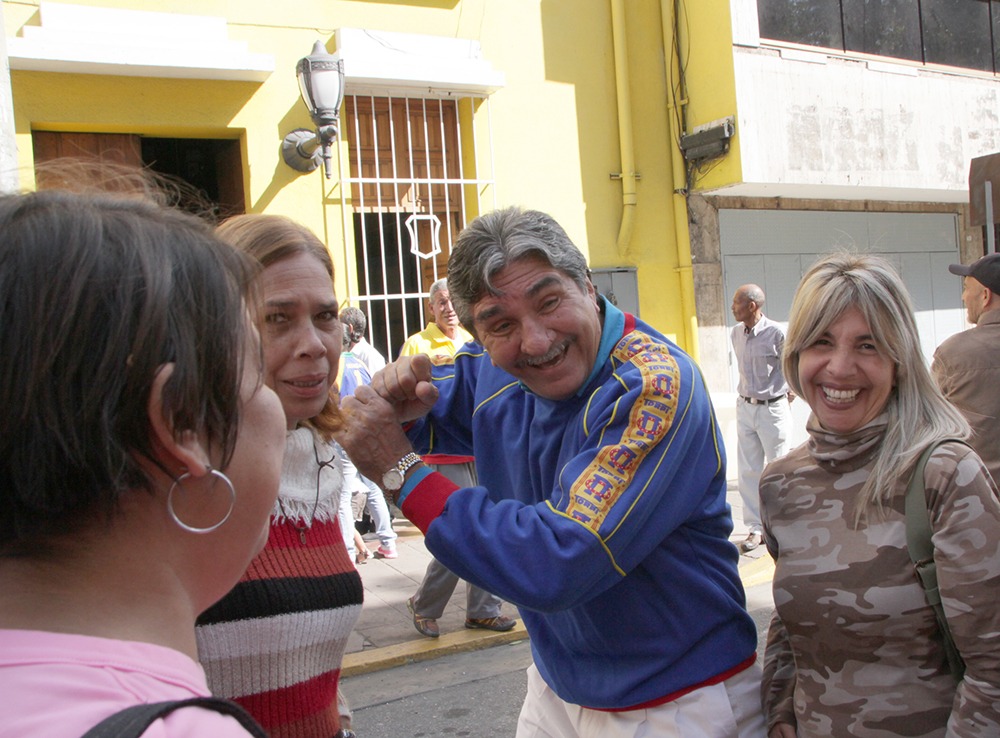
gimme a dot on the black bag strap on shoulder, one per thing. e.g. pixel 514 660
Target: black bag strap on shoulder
pixel 133 721
pixel 918 542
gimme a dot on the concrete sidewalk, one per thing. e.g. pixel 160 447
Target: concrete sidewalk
pixel 385 637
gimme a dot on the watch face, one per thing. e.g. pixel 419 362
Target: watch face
pixel 392 479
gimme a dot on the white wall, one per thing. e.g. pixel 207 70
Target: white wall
pixel 817 125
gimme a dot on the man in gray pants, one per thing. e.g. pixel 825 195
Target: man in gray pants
pixel 441 339
pixel 427 605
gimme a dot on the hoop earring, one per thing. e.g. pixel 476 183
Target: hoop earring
pixel 190 528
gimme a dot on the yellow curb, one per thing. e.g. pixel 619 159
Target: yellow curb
pixel 757 571
pixel 424 649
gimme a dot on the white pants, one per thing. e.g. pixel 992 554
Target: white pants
pixel 763 435
pixel 373 500
pixel 730 709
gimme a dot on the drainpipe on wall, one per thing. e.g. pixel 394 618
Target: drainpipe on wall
pixel 682 235
pixel 627 176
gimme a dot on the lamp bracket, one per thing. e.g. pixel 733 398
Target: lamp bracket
pixel 301 150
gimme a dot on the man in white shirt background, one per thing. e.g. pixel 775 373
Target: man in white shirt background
pixel 763 413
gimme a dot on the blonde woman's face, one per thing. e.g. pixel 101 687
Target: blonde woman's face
pixel 845 375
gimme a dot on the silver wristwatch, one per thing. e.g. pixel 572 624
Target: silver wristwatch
pixel 392 480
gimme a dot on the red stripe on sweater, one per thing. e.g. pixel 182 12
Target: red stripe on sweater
pixel 317 725
pixel 324 553
pixel 321 533
pixel 311 701
pixel 427 500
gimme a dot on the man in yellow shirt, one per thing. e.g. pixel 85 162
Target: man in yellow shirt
pixel 442 336
pixel 440 340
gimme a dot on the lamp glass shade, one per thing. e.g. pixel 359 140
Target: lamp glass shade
pixel 321 83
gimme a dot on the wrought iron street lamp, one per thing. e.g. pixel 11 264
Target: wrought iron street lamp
pixel 321 82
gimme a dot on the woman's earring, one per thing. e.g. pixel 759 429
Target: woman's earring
pixel 178 484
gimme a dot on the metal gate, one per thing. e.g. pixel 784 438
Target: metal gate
pixel 416 181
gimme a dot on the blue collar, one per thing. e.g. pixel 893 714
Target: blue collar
pixel 611 333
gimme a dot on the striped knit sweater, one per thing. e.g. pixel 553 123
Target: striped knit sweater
pixel 275 643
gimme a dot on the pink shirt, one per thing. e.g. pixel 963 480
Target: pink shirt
pixel 60 685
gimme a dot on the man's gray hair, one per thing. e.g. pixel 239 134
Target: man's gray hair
pixel 441 284
pixel 494 241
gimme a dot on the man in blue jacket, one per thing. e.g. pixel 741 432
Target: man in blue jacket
pixel 602 508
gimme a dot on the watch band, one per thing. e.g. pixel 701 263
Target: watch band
pixel 407 462
pixel 393 479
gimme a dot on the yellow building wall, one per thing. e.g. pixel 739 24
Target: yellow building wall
pixel 711 82
pixel 555 126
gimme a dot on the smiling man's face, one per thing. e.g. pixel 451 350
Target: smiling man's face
pixel 542 328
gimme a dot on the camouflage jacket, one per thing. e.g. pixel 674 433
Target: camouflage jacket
pixel 853 648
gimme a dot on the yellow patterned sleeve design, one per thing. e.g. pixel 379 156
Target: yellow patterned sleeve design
pixel 596 490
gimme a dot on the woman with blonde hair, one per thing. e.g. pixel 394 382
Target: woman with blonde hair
pixel 854 647
pixel 275 643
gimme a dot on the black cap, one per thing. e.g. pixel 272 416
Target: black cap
pixel 986 271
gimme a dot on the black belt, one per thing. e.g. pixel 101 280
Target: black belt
pixel 754 401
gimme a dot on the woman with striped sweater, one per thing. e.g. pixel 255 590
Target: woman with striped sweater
pixel 275 643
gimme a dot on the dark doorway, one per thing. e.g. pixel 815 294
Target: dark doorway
pixel 211 167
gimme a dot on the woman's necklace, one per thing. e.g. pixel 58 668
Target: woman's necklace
pixel 303 527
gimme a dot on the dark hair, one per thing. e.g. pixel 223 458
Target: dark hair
pixel 273 238
pixel 355 322
pixel 495 240
pixel 97 292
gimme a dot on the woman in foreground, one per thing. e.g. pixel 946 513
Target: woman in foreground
pixel 275 643
pixel 854 647
pixel 139 457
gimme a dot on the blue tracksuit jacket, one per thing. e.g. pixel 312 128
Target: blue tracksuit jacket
pixel 602 517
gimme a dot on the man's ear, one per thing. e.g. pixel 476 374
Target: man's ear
pixel 988 297
pixel 183 448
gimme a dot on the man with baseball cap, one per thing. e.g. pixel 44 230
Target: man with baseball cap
pixel 967 365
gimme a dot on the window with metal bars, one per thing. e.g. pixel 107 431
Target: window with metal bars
pixel 415 180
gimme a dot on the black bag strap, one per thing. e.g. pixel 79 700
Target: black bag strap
pixel 133 721
pixel 918 542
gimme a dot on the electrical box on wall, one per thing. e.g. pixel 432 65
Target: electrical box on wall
pixel 620 285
